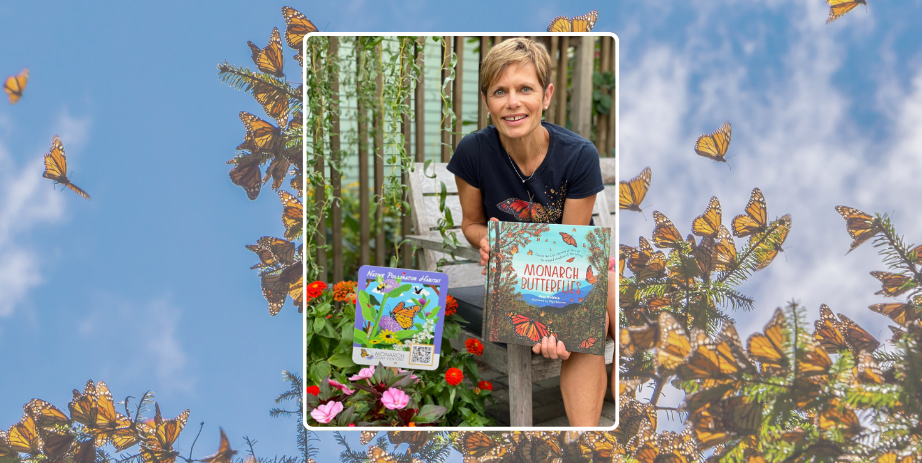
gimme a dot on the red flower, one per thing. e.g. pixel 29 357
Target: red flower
pixel 344 291
pixel 451 306
pixel 454 376
pixel 312 390
pixel 315 289
pixel 474 346
pixel 485 385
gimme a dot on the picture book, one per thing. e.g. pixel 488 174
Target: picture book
pixel 399 315
pixel 547 279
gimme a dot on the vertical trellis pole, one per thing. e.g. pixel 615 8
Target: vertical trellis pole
pixel 320 235
pixel 561 90
pixel 481 108
pixel 379 159
pixel 581 98
pixel 446 88
pixel 601 125
pixel 406 251
pixel 552 108
pixel 456 95
pixel 612 121
pixel 336 211
pixel 362 117
pixel 420 105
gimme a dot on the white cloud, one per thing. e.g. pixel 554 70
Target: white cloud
pixel 154 345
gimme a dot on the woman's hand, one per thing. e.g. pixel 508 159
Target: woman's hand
pixel 552 348
pixel 485 250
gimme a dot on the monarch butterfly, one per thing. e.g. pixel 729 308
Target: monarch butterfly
pixel 277 171
pixel 523 211
pixel 56 167
pixel 600 446
pixel 246 174
pixel 160 449
pixel 416 439
pixel 766 250
pixel 724 251
pixel 294 278
pixel 543 447
pixel 714 145
pixel 755 219
pixel 828 331
pixel 665 234
pixel 860 226
pixel 224 453
pixel 283 251
pixel 867 371
pixel 892 284
pixel 654 268
pixel 891 457
pixel 838 8
pixel 840 416
pixel 708 224
pixel 514 250
pixel 23 437
pixel 768 348
pixel 478 446
pixel 567 238
pixel 95 409
pixel 857 337
pixel 404 316
pixel 14 85
pixel 261 136
pixel 640 337
pixel 292 213
pixel 530 252
pixel 274 100
pixel 367 436
pixel 673 345
pixel 637 258
pixel 583 23
pixel 590 278
pixel 45 414
pixel 269 59
pixel 904 314
pixel 703 253
pixel 364 355
pixel 266 259
pixel 528 328
pixel 587 343
pixel 297 27
pixel 275 289
pixel 814 361
pixel 632 192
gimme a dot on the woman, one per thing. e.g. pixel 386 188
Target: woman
pixel 523 169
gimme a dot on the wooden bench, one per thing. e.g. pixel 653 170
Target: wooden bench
pixel 466 282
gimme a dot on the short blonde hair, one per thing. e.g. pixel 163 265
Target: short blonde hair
pixel 519 51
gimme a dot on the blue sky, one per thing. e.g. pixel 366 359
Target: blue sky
pixel 147 286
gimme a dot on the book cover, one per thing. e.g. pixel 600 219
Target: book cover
pixel 399 315
pixel 545 279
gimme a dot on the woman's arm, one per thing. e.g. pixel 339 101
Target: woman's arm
pixel 578 211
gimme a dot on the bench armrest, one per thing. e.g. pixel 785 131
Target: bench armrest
pixel 434 243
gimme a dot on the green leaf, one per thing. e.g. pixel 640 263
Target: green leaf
pixel 405 334
pixel 597 79
pixel 605 101
pixel 319 323
pixel 429 413
pixel 399 290
pixel 341 360
pixel 359 337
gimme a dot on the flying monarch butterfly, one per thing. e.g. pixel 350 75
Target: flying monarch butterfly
pixel 56 167
pixel 766 251
pixel 904 314
pixel 724 251
pixel 838 8
pixel 590 278
pixel 754 221
pixel 665 234
pixel 291 215
pixel 583 23
pixel 367 436
pixel 587 343
pixel 632 192
pixel 828 331
pixel 530 252
pixel 224 453
pixel 416 439
pixel 571 259
pixel 708 224
pixel 714 145
pixel 269 59
pixel 404 316
pixel 858 337
pixel 523 211
pixel 297 27
pixel 892 284
pixel 14 85
pixel 673 345
pixel 246 174
pixel 860 226
pixel 639 257
pixel 528 328
pixel 567 238
pixel 160 449
pixel 261 136
pixel 768 348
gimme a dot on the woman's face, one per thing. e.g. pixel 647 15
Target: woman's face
pixel 516 99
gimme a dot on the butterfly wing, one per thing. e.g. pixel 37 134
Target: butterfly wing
pixel 828 331
pixel 23 437
pixel 708 224
pixel 14 85
pixel 521 210
pixel 766 251
pixel 838 8
pixel 297 27
pixel 755 218
pixel 275 291
pixel 560 24
pixel 567 238
pixel 584 23
pixel 270 59
pixel 367 436
pixel 665 233
pixel 857 336
pixel 56 167
pixel 587 343
pixel 291 215
pixel 632 192
pixel 724 251
pixel 904 314
pixel 528 328
pixel 892 283
pixel 860 226
pixel 768 347
pixel 715 144
pixel 261 136
pixel 590 277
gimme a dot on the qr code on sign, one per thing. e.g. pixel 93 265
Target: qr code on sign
pixel 421 354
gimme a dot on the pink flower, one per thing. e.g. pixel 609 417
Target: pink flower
pixel 411 376
pixel 351 425
pixel 364 373
pixel 395 399
pixel 326 412
pixel 341 387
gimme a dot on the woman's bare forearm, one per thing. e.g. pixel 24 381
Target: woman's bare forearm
pixel 474 232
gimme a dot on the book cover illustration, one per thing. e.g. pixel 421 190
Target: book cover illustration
pixel 547 279
pixel 399 315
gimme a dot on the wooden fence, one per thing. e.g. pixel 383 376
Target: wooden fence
pixel 574 60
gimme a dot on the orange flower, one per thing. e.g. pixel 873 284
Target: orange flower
pixel 315 289
pixel 451 306
pixel 454 376
pixel 486 385
pixel 474 346
pixel 344 291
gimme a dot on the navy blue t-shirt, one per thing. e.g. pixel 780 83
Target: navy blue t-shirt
pixel 569 170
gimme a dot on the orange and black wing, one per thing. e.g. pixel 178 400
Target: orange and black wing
pixel 269 59
pixel 708 224
pixel 755 220
pixel 246 174
pixel 632 192
pixel 14 85
pixel 665 233
pixel 292 215
pixel 275 290
pixel 714 145
pixel 838 8
pixel 297 27
pixel 567 238
pixel 724 253
pixel 892 284
pixel 860 226
pixel 857 336
pixel 584 23
pixel 828 331
pixel 56 167
pixel 261 136
pixel 904 314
